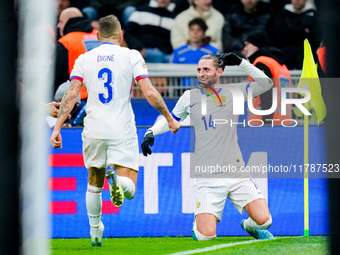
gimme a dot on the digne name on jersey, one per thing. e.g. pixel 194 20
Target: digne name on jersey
pixel 105 58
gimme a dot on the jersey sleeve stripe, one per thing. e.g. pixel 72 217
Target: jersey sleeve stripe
pixel 141 77
pixel 175 117
pixel 77 78
pixel 248 85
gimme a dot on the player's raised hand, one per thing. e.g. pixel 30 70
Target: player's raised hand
pixel 148 140
pixel 56 140
pixel 174 126
pixel 229 59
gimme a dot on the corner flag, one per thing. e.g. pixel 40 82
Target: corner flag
pixel 309 76
pixel 310 80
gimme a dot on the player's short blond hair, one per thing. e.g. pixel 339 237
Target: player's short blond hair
pixel 214 58
pixel 109 26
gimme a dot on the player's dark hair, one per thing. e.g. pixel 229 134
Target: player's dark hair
pixel 200 22
pixel 109 26
pixel 214 58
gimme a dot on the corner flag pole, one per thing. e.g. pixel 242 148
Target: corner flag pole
pixel 305 179
pixel 309 72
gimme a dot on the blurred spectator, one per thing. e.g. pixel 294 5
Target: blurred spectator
pixel 90 13
pixel 80 4
pixel 181 5
pixel 83 5
pixel 124 9
pixel 62 5
pixel 199 9
pixel 277 5
pixel 53 109
pixel 148 31
pixel 321 53
pixel 250 15
pixel 270 61
pixel 226 6
pixel 78 36
pixel 290 27
pixel 78 111
pixel 116 7
pixel 197 46
pixel 172 7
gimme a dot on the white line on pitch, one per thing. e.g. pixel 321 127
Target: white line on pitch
pixel 220 246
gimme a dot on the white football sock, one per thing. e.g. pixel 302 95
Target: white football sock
pixel 128 186
pixel 94 205
pixel 250 225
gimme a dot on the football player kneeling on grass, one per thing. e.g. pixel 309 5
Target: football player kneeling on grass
pixel 217 144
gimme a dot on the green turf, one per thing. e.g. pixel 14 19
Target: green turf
pixel 287 245
pixel 311 245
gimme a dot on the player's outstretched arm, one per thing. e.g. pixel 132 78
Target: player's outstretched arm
pixel 262 82
pixel 156 100
pixel 180 112
pixel 160 127
pixel 66 106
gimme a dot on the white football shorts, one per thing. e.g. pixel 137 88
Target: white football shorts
pixel 103 152
pixel 212 193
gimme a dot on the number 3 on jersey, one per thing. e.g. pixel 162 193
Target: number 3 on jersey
pixel 106 73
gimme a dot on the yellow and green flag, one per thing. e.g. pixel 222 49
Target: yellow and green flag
pixel 310 80
pixel 310 77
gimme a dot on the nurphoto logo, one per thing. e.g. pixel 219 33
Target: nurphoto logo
pixel 239 102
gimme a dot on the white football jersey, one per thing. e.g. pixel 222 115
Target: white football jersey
pixel 108 72
pixel 214 121
pixel 214 144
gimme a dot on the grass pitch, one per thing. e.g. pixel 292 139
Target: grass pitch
pixel 310 245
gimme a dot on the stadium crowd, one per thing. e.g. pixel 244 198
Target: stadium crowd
pixel 158 27
pixel 162 31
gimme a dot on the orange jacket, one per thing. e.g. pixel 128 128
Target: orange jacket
pixel 321 52
pixel 76 44
pixel 281 78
